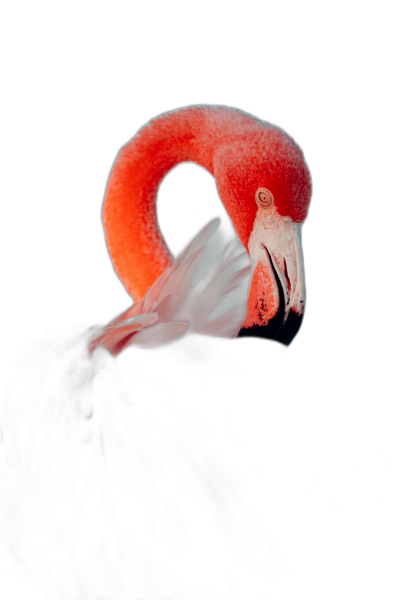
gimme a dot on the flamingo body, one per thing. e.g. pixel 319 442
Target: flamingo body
pixel 176 473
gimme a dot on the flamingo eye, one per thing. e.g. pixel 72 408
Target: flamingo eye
pixel 264 198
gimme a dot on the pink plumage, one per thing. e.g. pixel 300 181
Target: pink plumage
pixel 184 298
pixel 247 157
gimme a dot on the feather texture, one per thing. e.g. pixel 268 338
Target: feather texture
pixel 186 297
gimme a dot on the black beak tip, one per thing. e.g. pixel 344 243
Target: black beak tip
pixel 290 328
pixel 275 329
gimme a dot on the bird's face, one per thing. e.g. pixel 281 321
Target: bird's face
pixel 265 185
pixel 276 299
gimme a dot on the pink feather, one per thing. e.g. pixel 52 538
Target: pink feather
pixel 185 297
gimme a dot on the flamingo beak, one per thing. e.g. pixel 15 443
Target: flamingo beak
pixel 286 258
pixel 286 255
pixel 276 299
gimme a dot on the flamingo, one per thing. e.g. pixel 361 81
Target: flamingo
pixel 265 186
pixel 115 483
pixel 165 475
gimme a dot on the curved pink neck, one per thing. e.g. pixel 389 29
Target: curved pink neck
pixel 136 246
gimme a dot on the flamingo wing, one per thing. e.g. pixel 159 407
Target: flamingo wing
pixel 200 293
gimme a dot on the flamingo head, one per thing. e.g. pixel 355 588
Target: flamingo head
pixel 265 184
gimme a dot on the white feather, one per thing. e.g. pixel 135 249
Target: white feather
pixel 197 293
pixel 161 333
